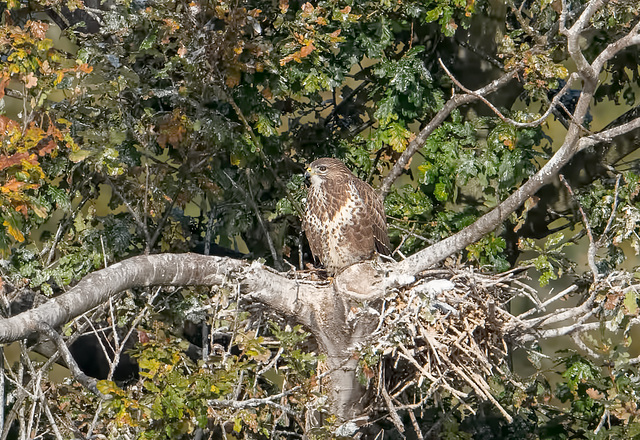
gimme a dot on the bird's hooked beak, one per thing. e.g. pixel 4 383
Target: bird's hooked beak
pixel 307 176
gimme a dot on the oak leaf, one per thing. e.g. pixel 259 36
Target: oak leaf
pixel 30 80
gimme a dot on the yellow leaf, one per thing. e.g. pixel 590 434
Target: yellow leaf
pixel 12 185
pixel 79 155
pixel 39 210
pixel 14 232
pixel 235 159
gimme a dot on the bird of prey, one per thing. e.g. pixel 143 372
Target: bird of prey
pixel 344 220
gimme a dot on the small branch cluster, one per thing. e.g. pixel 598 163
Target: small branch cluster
pixel 451 332
pixel 444 334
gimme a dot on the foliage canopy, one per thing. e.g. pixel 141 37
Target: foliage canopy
pixel 154 126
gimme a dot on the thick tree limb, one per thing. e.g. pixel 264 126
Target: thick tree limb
pixel 265 286
pixel 585 70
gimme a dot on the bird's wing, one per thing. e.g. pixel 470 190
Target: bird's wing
pixel 378 219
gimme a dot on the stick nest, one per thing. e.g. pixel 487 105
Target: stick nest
pixel 444 334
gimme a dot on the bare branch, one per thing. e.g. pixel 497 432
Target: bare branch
pixel 614 206
pixel 253 403
pixel 395 418
pixel 251 201
pixel 609 135
pixel 433 254
pixel 631 39
pixel 586 71
pixel 493 219
pixel 593 247
pixel 416 426
pixel 86 381
pixel 548 302
pixel 141 224
pixel 535 123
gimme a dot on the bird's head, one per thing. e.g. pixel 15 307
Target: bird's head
pixel 320 171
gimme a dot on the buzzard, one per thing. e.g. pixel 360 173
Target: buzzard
pixel 344 221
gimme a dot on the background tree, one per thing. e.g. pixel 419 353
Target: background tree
pixel 150 129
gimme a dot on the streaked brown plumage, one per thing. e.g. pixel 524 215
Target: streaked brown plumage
pixel 344 221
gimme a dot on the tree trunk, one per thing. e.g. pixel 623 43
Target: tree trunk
pixel 345 323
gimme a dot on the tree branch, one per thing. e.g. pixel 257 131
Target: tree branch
pixel 585 70
pixel 454 102
pixel 258 283
pixel 88 382
pixel 554 102
pixel 572 144
pixel 493 219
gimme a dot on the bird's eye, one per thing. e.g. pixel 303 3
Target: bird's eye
pixel 322 168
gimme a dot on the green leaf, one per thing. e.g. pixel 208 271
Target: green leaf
pixel 79 155
pixel 265 127
pixel 441 192
pixel 148 41
pixel 631 302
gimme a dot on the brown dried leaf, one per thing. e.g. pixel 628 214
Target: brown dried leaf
pixel 7 125
pixel 9 161
pixel 594 394
pixel 38 29
pixel 30 80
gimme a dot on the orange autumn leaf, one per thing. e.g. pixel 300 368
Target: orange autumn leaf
pixel 594 394
pixel 7 125
pixel 12 185
pixel 266 92
pixel 15 159
pixel 172 24
pixel 48 148
pixel 306 50
pixel 85 68
pixel 299 38
pixel 22 209
pixel 3 85
pixel 286 59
